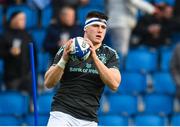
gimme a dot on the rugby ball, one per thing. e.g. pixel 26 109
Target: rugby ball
pixel 80 48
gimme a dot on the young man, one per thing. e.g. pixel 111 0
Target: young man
pixel 77 100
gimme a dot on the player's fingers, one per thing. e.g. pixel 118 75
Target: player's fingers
pixel 89 42
pixel 68 50
pixel 70 41
pixel 68 44
pixel 90 49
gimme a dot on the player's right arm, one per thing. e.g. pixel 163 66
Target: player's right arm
pixel 55 72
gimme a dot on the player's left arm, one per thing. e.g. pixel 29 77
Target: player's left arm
pixel 110 76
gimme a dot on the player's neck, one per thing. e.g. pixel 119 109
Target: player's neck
pixel 97 45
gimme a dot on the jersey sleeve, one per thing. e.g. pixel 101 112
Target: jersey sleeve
pixel 113 61
pixel 58 56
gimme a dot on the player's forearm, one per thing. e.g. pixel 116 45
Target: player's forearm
pixel 107 75
pixel 53 75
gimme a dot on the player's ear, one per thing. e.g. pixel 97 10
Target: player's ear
pixel 84 29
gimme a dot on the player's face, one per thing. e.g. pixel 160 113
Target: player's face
pixel 96 33
pixel 19 21
pixel 68 17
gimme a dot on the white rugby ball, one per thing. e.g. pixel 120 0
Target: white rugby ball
pixel 80 48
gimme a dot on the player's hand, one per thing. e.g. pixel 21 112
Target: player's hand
pixel 15 51
pixel 92 48
pixel 67 50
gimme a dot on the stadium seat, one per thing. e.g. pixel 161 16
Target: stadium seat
pixel 44 103
pixel 166 56
pixel 46 16
pixel 42 120
pixel 169 2
pixel 175 38
pixel 113 120
pixel 163 83
pixel 108 91
pixel 132 83
pixel 175 120
pixel 141 60
pixel 31 15
pixel 10 120
pixel 150 120
pixel 43 62
pixel 158 104
pixel 122 104
pixel 83 11
pixel 13 103
pixel 97 3
pixel 38 36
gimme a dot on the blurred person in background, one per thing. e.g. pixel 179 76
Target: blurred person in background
pixel 175 60
pixel 59 4
pixel 122 20
pixel 6 3
pixel 156 30
pixel 15 53
pixel 176 15
pixel 38 6
pixel 175 68
pixel 63 30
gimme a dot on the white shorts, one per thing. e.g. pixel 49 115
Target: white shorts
pixel 62 119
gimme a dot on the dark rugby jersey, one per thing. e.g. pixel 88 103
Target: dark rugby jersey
pixel 81 86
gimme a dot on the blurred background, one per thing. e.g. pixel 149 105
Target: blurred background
pixel 145 33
